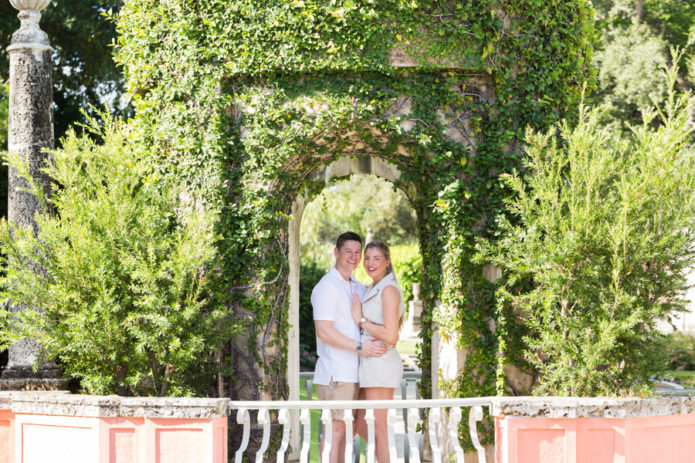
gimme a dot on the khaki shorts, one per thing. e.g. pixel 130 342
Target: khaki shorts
pixel 338 391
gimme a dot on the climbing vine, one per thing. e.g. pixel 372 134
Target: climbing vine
pixel 247 100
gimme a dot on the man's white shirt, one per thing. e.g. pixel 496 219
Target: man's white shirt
pixel 331 300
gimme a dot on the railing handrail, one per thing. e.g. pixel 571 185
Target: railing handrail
pixel 355 404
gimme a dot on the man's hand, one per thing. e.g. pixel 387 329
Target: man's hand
pixel 373 348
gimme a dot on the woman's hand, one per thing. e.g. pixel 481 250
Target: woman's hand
pixel 356 309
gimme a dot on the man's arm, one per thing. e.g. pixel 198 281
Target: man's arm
pixel 327 333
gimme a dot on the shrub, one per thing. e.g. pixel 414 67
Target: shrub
pixel 602 227
pixel 310 272
pixel 121 273
pixel 407 263
pixel 680 352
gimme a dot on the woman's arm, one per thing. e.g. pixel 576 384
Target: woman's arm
pixel 390 302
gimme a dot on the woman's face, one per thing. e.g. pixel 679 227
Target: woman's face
pixel 375 263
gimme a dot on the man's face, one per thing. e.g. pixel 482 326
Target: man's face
pixel 348 257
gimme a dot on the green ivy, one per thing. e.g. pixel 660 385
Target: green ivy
pixel 247 99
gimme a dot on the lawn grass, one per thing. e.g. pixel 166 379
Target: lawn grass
pixel 684 378
pixel 406 347
pixel 315 418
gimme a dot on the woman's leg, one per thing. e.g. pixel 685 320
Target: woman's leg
pixel 360 424
pixel 381 442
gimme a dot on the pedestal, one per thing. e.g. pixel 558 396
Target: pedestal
pixel 30 134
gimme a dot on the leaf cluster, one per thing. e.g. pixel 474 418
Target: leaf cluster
pixel 599 248
pixel 123 273
pixel 248 101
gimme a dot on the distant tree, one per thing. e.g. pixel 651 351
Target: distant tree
pixel 365 204
pixel 84 72
pixel 633 49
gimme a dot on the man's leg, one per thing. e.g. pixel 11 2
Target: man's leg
pixel 337 454
pixel 337 391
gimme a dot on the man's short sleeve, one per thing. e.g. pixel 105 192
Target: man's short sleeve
pixel 323 302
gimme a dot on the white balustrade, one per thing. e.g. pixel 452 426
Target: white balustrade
pixel 411 419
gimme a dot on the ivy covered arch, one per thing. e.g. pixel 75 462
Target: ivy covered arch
pixel 249 101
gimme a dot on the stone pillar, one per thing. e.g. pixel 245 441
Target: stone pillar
pixel 30 133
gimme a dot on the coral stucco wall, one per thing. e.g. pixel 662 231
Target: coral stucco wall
pixel 6 436
pixel 44 436
pixel 658 439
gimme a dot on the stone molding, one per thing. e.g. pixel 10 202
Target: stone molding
pixel 64 404
pixel 591 407
pixel 37 5
pixel 30 36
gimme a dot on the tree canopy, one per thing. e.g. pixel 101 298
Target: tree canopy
pixel 633 48
pixel 84 72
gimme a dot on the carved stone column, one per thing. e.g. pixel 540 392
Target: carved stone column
pixel 30 132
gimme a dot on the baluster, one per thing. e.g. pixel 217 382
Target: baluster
pixel 284 420
pixel 242 417
pixel 327 421
pixel 305 419
pixel 475 415
pixel 369 418
pixel 413 438
pixel 391 438
pixel 454 420
pixel 404 396
pixel 263 420
pixel 435 415
pixel 348 434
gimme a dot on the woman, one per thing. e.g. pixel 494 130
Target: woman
pixel 379 317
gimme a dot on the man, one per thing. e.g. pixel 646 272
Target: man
pixel 338 337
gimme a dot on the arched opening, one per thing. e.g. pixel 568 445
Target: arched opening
pixel 342 168
pixel 376 210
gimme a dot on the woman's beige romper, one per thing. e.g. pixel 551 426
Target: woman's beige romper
pixel 387 370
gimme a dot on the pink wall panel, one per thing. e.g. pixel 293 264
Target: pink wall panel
pixel 541 445
pixel 57 443
pixel 121 445
pixel 599 445
pixel 664 439
pixel 180 445
pixel 6 453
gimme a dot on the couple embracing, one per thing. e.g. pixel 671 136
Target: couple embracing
pixel 357 330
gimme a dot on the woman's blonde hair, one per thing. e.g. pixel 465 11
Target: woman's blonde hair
pixel 384 248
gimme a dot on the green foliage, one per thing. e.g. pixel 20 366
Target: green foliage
pixel 633 48
pixel 247 101
pixel 680 352
pixel 365 204
pixel 603 229
pixel 309 274
pixel 124 273
pixel 407 263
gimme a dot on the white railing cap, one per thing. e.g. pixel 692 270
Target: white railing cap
pixel 343 404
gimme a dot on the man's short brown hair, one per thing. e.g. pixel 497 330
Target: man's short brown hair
pixel 347 236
